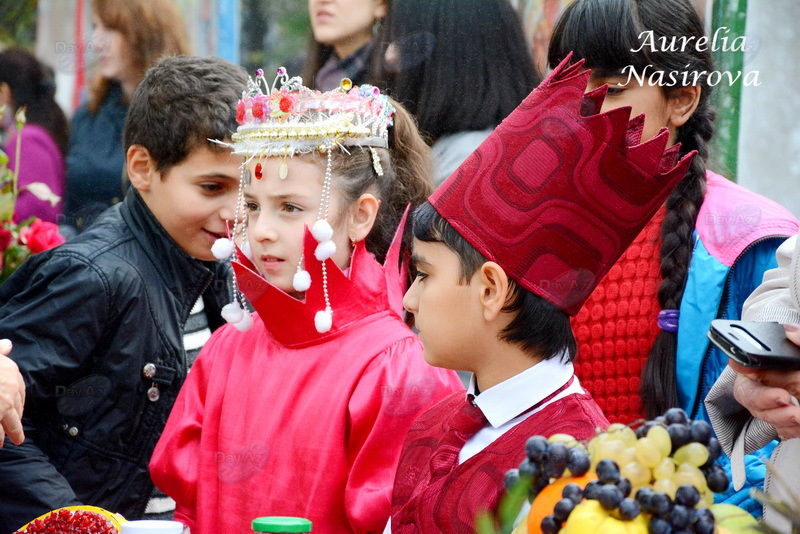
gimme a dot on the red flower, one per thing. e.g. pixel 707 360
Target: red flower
pixel 286 104
pixel 258 109
pixel 41 236
pixel 5 238
pixel 240 112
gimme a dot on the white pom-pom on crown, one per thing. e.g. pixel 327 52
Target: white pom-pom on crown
pixel 232 312
pixel 301 280
pixel 325 250
pixel 323 321
pixel 322 231
pixel 222 248
pixel 245 323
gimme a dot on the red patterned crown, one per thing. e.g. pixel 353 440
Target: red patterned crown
pixel 558 192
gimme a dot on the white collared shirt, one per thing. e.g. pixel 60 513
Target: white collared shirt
pixel 503 405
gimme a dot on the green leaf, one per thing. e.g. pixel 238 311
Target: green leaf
pixel 484 524
pixel 7 203
pixel 512 503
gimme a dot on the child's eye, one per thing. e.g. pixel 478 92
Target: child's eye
pixel 291 208
pixel 251 206
pixel 212 187
pixel 615 91
pixel 420 276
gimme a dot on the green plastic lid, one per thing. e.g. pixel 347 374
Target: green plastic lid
pixel 281 524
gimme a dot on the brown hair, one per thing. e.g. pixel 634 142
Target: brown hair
pixel 152 29
pixel 407 179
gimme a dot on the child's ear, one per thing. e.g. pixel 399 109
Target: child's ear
pixel 494 288
pixel 362 216
pixel 141 168
pixel 682 103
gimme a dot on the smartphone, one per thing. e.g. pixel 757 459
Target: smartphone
pixel 755 345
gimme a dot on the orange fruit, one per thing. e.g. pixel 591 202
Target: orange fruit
pixel 546 500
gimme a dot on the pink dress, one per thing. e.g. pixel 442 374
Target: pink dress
pixel 42 161
pixel 281 420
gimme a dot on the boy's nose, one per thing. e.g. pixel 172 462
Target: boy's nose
pixel 263 230
pixel 410 300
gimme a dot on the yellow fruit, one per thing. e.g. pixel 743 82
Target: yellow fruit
pixel 733 519
pixel 546 500
pixel 590 518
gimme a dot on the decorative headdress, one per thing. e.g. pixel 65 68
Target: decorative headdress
pixel 558 192
pixel 291 120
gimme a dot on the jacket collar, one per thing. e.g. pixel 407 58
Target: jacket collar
pixel 185 276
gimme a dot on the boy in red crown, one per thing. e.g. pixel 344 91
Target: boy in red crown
pixel 506 250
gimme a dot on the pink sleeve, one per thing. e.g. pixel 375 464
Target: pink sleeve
pixel 174 466
pixel 393 391
pixel 41 162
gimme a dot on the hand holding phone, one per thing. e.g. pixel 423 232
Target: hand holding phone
pixel 755 345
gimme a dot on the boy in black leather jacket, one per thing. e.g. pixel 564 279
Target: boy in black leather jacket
pixel 99 323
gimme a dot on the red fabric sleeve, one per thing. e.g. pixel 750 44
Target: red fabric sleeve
pixel 393 391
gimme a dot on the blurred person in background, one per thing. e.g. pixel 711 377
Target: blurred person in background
pixel 460 66
pixel 129 37
pixel 341 41
pixel 25 82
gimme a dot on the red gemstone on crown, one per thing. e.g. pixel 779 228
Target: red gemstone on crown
pixel 259 171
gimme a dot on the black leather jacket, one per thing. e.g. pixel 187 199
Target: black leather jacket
pixel 96 326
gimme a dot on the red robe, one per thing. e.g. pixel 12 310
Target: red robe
pixel 451 503
pixel 281 420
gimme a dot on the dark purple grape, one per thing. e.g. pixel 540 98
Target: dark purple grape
pixel 717 479
pixel 703 513
pixel 679 434
pixel 536 449
pixel 700 431
pixel 660 504
pixel 538 485
pixel 658 525
pixel 642 430
pixel 682 531
pixel 629 508
pixel 676 415
pixel 680 517
pixel 550 525
pixel 687 495
pixel 624 486
pixel 579 462
pixel 529 469
pixel 572 492
pixel 703 526
pixel 607 471
pixel 551 470
pixel 511 478
pixel 592 490
pixel 645 497
pixel 563 508
pixel 714 451
pixel 609 496
pixel 559 453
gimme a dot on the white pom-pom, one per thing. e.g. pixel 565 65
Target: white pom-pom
pixel 248 253
pixel 323 321
pixel 244 324
pixel 325 250
pixel 322 231
pixel 301 280
pixel 232 312
pixel 222 248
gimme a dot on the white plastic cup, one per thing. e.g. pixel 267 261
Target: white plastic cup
pixel 152 527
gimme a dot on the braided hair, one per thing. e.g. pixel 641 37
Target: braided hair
pixel 606 33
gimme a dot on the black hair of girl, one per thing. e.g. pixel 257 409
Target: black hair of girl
pixel 463 64
pixel 605 33
pixel 32 86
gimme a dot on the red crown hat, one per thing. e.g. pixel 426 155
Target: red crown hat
pixel 557 192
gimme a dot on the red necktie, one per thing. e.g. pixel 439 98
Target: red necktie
pixel 462 426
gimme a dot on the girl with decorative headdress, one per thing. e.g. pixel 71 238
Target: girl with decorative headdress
pixel 303 413
pixel 642 345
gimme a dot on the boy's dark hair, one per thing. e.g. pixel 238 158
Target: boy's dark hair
pixel 606 33
pixel 463 64
pixel 182 103
pixel 538 326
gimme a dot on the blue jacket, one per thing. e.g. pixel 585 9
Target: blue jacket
pixel 736 236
